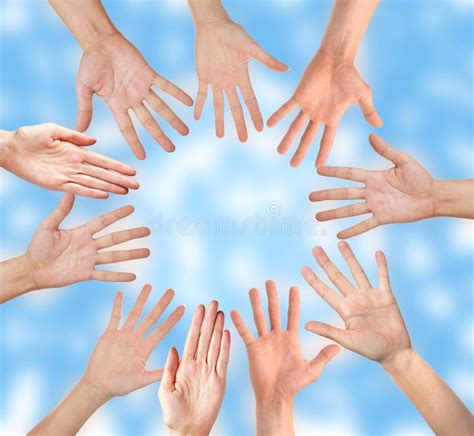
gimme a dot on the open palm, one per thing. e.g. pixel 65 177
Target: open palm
pixel 60 257
pixel 403 193
pixel 324 93
pixel 223 51
pixel 374 325
pixel 117 72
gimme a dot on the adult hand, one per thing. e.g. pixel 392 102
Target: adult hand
pixel 403 193
pixel 327 88
pixel 374 325
pixel 223 50
pixel 117 365
pixel 59 257
pixel 117 72
pixel 191 391
pixel 54 157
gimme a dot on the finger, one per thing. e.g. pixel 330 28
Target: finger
pixel 354 265
pixel 153 376
pixel 72 136
pixel 252 104
pixel 368 109
pixel 282 112
pixel 109 176
pixel 293 131
pixel 224 352
pixel 273 305
pixel 121 237
pixel 137 308
pixel 347 173
pixel 337 194
pixel 169 372
pixel 337 278
pixel 218 98
pixel 200 100
pixel 293 310
pixel 121 255
pixel 171 89
pixel 362 227
pixel 237 113
pixel 116 312
pixel 318 364
pixel 76 189
pixel 384 280
pixel 214 347
pixel 149 123
pixel 257 310
pixel 206 332
pixel 305 143
pixel 105 220
pixel 335 301
pixel 264 58
pixel 84 106
pixel 98 184
pixel 124 123
pixel 57 216
pixel 344 211
pixel 112 276
pixel 161 331
pixel 327 142
pixel 155 313
pixel 106 163
pixel 385 150
pixel 167 113
pixel 338 335
pixel 242 328
pixel 192 338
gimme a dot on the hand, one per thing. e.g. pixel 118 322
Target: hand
pixel 54 157
pixel 59 257
pixel 277 367
pixel 403 193
pixel 324 93
pixel 192 390
pixel 374 324
pixel 116 71
pixel 223 50
pixel 117 365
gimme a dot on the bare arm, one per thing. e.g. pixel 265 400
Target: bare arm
pixel 454 198
pixel 16 278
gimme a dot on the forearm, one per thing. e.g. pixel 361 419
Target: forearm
pixel 6 144
pixel 275 417
pixel 72 413
pixel 86 19
pixel 347 25
pixel 207 10
pixel 16 278
pixel 454 198
pixel 438 404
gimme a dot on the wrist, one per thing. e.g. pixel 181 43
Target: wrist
pixel 340 50
pixel 275 416
pixel 453 198
pixel 208 11
pixel 188 431
pixel 401 362
pixel 17 278
pixel 7 145
pixel 92 393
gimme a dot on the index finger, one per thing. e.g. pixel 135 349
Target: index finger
pixel 124 122
pixel 171 89
pixel 105 220
pixel 347 173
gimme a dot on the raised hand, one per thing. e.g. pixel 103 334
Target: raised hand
pixel 54 157
pixel 374 325
pixel 191 391
pixel 327 88
pixel 117 365
pixel 403 193
pixel 117 72
pixel 59 257
pixel 223 50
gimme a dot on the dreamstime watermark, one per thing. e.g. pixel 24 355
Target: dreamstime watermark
pixel 273 222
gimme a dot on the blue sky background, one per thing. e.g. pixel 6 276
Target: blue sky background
pixel 418 57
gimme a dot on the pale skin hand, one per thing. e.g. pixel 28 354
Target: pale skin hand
pixel 330 84
pixel 277 367
pixel 191 391
pixel 54 157
pixel 223 50
pixel 117 366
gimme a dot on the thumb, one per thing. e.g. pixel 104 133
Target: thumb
pixel 169 372
pixel 73 136
pixel 386 151
pixel 321 360
pixel 84 106
pixel 263 57
pixel 62 210
pixel 368 109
